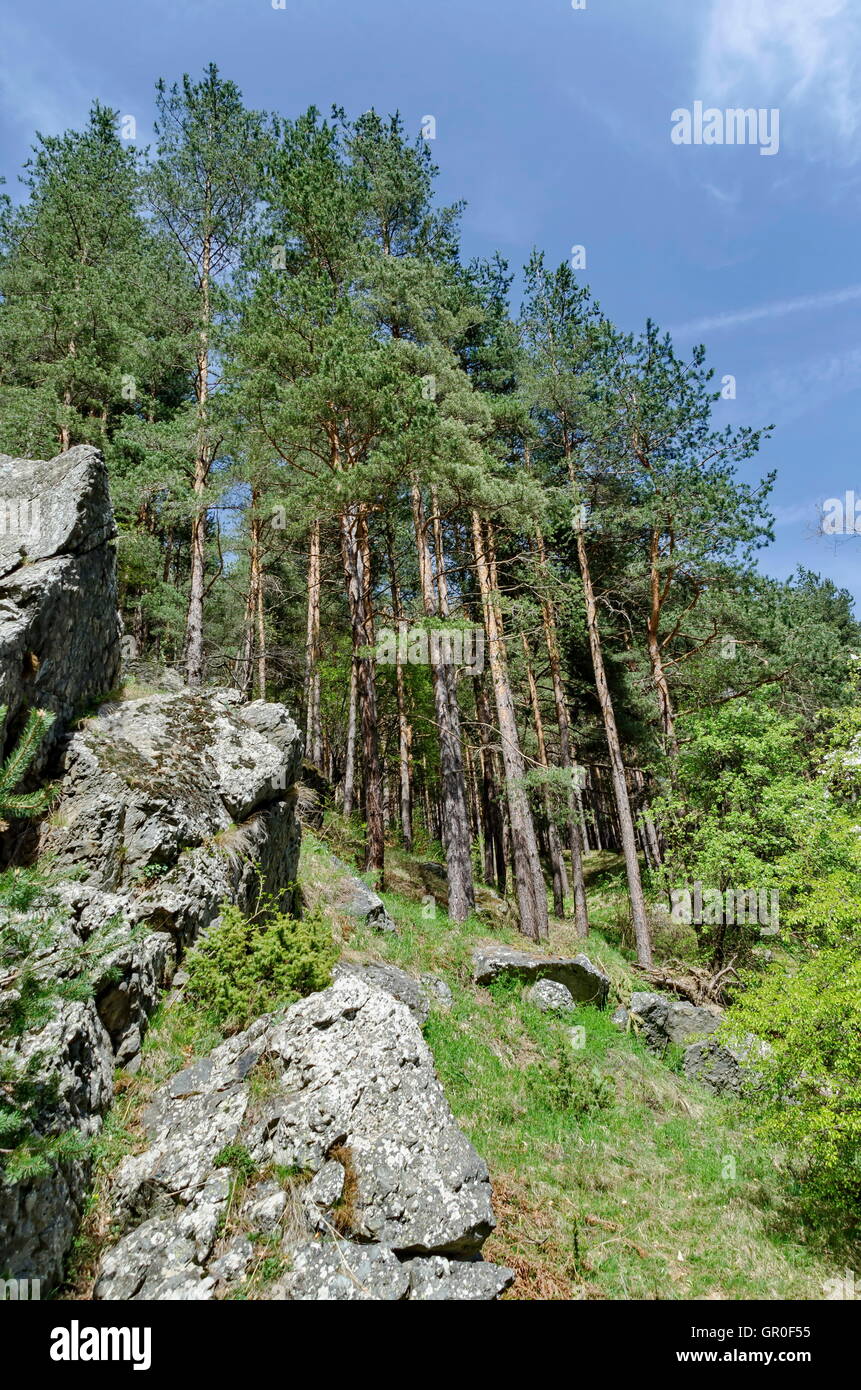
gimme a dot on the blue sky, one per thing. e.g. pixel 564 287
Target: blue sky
pixel 554 124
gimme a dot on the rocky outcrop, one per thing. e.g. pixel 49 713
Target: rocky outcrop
pixel 395 982
pixel 585 984
pixel 712 1062
pixel 725 1069
pixel 389 1201
pixel 59 627
pixel 170 805
pixel 39 1217
pixel 661 1020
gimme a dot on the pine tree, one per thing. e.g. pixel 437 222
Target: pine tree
pixel 14 768
pixel 76 279
pixel 203 191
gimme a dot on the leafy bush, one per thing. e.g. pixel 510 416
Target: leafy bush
pixel 754 808
pixel 808 1092
pixel 248 965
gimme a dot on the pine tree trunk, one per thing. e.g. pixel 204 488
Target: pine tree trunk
pixel 455 818
pixel 313 727
pixel 244 665
pixel 405 733
pixel 491 815
pixel 657 595
pixel 620 786
pixel 575 800
pixel 194 621
pixel 350 758
pixel 554 845
pixel 257 557
pixel 528 875
pixel 356 554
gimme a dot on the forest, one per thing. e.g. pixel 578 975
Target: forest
pixel 496 554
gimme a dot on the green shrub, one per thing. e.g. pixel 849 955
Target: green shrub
pixel 808 1091
pixel 237 1158
pixel 565 1082
pixel 246 966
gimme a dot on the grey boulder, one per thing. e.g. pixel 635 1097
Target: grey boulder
pixel 549 996
pixel 353 898
pixel 661 1020
pixel 395 982
pixel 584 982
pixel 357 1106
pixel 59 626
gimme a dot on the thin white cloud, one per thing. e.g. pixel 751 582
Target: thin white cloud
pixel 777 309
pixel 725 196
pixel 786 393
pixel 801 55
pixel 797 513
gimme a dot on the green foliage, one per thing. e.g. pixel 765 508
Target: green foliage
pixel 237 1158
pixel 754 806
pixel 15 767
pixel 246 966
pixel 808 1085
pixel 565 1081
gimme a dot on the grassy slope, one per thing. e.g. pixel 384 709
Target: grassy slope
pixel 634 1201
pixel 663 1195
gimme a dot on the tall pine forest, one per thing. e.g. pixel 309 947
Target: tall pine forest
pixel 498 555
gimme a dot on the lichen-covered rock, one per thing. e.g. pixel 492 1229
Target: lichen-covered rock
pixel 155 1262
pixel 266 1207
pixel 148 779
pixel 335 1270
pixel 471 1280
pixel 233 1264
pixel 394 981
pixel 359 1079
pixel 38 1217
pixel 59 627
pixel 717 1068
pixel 355 1103
pixel 661 1020
pixel 584 982
pixel 549 996
pixel 145 822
